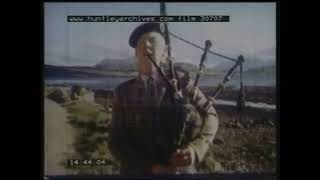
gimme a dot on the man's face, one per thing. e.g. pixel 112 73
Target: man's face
pixel 151 43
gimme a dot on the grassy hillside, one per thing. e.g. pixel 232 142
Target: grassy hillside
pixel 245 144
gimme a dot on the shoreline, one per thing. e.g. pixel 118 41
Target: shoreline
pixel 253 94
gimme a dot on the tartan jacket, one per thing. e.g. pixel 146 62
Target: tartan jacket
pixel 135 109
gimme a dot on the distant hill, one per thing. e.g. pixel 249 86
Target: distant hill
pixel 260 76
pixel 262 71
pixel 186 66
pixel 250 63
pixel 51 71
pixel 130 65
pixel 117 64
pixel 62 72
pixel 263 76
pixel 106 67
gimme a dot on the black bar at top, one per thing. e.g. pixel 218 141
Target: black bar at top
pixel 186 18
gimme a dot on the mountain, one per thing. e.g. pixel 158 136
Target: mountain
pixel 186 66
pixel 260 76
pixel 263 58
pixel 117 64
pixel 82 72
pixel 265 75
pixel 250 63
pixel 129 64
pixel 262 71
pixel 51 71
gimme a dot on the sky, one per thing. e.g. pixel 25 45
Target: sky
pixel 250 32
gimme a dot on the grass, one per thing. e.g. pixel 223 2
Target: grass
pixel 91 121
pixel 245 150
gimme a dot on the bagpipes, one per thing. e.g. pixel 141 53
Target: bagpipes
pixel 238 63
pixel 178 101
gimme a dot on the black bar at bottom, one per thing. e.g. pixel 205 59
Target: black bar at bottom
pixel 236 176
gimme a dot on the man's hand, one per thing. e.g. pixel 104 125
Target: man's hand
pixel 184 157
pixel 160 169
pixel 178 93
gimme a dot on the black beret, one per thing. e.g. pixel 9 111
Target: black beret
pixel 142 29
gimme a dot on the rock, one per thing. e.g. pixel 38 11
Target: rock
pixel 76 92
pixel 89 96
pixel 264 138
pixel 270 123
pixel 109 108
pixel 251 122
pixel 217 167
pixel 59 95
pixel 236 124
pixel 80 93
pixel 246 125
